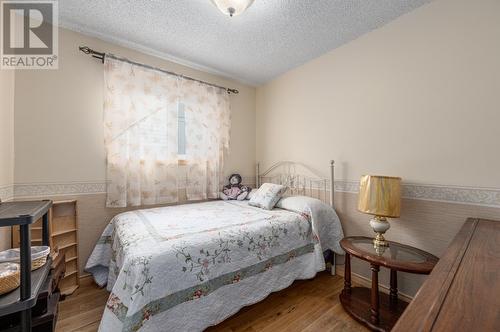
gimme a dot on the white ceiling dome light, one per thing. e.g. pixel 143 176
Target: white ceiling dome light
pixel 232 7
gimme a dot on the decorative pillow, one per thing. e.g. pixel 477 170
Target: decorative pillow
pixel 251 194
pixel 299 203
pixel 267 196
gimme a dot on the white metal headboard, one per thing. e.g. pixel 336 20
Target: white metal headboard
pixel 285 173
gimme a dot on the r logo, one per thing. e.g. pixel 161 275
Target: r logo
pixel 29 28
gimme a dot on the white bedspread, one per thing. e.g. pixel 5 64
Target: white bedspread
pixel 187 267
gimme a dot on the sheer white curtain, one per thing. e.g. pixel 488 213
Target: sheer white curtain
pixel 207 116
pixel 141 117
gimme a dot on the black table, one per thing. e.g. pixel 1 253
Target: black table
pixel 24 213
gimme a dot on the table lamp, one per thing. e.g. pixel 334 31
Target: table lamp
pixel 381 197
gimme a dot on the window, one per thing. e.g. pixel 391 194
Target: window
pixel 153 133
pixel 146 131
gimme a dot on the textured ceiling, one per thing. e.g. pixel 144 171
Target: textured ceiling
pixel 271 37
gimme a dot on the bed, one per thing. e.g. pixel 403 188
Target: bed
pixel 190 266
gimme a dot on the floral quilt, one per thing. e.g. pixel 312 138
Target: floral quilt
pixel 187 267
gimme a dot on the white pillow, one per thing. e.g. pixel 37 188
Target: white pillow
pixel 267 196
pixel 324 220
pixel 251 193
pixel 299 203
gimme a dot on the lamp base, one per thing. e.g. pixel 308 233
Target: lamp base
pixel 379 241
pixel 380 225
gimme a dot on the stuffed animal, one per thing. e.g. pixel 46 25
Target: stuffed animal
pixel 234 190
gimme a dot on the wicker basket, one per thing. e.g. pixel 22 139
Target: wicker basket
pixel 38 256
pixel 38 263
pixel 9 277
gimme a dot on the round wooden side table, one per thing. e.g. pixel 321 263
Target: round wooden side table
pixel 379 311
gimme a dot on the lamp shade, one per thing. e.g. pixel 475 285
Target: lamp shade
pixel 380 195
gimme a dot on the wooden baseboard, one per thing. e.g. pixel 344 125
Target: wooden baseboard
pixel 366 282
pixel 86 280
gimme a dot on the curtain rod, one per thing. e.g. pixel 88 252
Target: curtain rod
pixel 102 55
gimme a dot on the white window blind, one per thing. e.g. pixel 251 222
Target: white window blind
pixel 181 134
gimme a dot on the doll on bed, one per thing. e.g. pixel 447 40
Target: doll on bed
pixel 234 190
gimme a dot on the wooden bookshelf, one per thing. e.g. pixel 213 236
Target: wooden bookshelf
pixel 63 224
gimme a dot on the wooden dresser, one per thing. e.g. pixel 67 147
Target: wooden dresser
pixel 63 237
pixel 462 292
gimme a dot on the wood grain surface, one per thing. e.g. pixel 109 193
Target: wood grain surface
pixel 307 305
pixel 461 294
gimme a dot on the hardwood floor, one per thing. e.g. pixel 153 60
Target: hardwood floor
pixel 307 305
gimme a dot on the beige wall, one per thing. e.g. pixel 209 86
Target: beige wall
pixel 6 128
pixel 418 98
pixel 59 135
pixel 6 144
pixel 58 117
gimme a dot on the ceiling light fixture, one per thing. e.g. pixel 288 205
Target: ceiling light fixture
pixel 232 7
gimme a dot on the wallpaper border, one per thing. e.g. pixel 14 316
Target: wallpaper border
pixel 26 190
pixel 442 193
pixel 6 192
